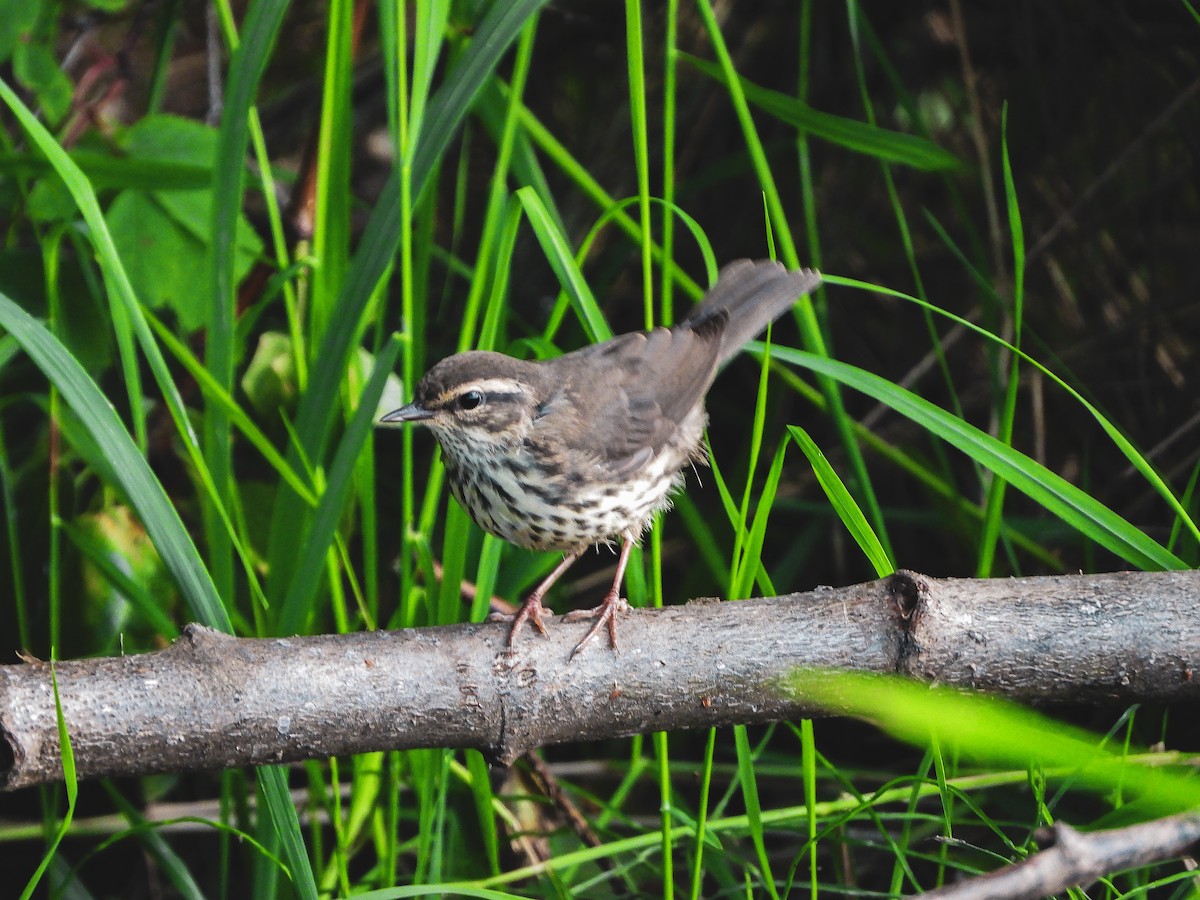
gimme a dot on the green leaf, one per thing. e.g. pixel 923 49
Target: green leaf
pixel 104 170
pixel 165 237
pixel 130 471
pixel 16 22
pixel 37 69
pixel 162 238
pixel 860 137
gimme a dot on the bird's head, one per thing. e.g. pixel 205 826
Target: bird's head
pixel 478 402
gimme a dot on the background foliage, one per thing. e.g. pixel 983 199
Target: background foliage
pixel 250 227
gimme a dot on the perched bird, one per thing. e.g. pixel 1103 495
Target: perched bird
pixel 565 453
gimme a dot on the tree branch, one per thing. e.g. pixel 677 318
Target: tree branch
pixel 1077 858
pixel 214 701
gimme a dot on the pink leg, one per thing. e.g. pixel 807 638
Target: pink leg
pixel 532 608
pixel 613 602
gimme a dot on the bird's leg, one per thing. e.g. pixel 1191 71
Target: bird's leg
pixel 612 603
pixel 532 608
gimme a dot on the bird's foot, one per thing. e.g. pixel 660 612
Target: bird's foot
pixel 604 614
pixel 531 611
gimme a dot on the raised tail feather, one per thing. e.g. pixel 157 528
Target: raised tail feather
pixel 749 295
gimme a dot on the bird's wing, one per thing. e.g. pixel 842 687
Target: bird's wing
pixel 620 402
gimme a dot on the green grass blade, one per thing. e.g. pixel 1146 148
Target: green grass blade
pixel 562 261
pixel 808 764
pixel 481 793
pixel 636 69
pixel 843 503
pixel 856 136
pixel 1136 459
pixel 749 784
pixel 273 780
pixel 70 784
pixel 994 508
pixel 247 64
pixel 491 39
pixel 134 477
pixel 1075 507
pixel 750 561
pixel 306 577
pixel 995 732
pixel 125 308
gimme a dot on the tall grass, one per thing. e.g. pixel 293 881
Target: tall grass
pixel 245 449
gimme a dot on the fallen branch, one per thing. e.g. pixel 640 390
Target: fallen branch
pixel 214 701
pixel 1078 859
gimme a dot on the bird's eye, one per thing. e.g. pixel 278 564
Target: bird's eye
pixel 470 399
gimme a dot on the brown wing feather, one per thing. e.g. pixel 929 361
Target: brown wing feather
pixel 621 401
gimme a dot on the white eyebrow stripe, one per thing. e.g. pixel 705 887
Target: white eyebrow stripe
pixel 489 386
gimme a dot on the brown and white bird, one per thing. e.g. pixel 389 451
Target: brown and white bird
pixel 566 453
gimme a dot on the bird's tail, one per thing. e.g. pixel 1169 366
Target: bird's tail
pixel 747 297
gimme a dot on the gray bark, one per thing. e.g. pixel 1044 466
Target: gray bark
pixel 213 701
pixel 1079 859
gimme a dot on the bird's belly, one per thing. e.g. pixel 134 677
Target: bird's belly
pixel 564 512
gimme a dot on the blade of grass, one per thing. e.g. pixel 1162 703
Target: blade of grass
pixel 780 228
pixel 273 780
pixel 670 70
pixel 381 237
pixel 749 784
pixel 994 508
pixel 750 562
pixel 843 503
pixel 1136 459
pixel 994 732
pixel 739 588
pixel 737 520
pixel 562 261
pixel 306 577
pixel 331 194
pixel 702 836
pixel 247 64
pixel 858 137
pixel 808 763
pixel 114 274
pixel 70 786
pixel 636 69
pixel 1075 507
pixel 134 477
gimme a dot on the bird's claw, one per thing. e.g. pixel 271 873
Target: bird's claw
pixel 531 611
pixel 604 614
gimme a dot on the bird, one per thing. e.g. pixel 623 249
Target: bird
pixel 585 448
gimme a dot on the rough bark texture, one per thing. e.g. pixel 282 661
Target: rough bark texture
pixel 212 701
pixel 1079 859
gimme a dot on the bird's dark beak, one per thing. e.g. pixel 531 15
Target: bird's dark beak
pixel 410 412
